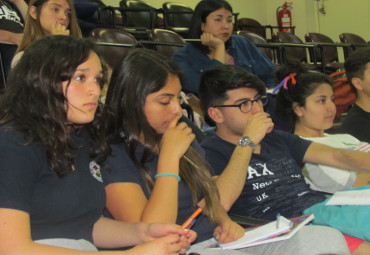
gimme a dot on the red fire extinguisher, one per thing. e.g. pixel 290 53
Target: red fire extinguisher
pixel 284 17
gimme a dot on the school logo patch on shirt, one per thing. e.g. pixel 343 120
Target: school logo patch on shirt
pixel 95 171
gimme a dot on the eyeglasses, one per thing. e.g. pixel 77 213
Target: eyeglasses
pixel 247 105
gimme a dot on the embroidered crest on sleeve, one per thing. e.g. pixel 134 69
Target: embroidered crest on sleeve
pixel 95 171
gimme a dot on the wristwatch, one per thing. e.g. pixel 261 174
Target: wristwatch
pixel 246 141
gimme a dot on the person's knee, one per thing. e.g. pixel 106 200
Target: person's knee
pixel 325 240
pixel 324 231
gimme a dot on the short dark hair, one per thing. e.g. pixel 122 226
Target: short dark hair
pixel 217 81
pixel 201 12
pixel 355 64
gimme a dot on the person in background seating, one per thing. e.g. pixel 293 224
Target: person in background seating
pixel 212 23
pixel 47 17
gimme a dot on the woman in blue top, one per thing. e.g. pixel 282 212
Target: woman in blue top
pixel 51 190
pixel 212 23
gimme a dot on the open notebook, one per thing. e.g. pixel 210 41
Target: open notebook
pixel 268 233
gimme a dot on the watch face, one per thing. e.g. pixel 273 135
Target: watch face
pixel 246 141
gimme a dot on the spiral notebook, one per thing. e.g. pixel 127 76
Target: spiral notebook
pixel 268 233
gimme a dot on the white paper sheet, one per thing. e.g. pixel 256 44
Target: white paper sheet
pixel 351 197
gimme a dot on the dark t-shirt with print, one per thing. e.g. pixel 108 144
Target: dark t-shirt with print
pixel 275 183
pixel 10 18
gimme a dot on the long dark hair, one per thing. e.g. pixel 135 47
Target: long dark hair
pixel 34 99
pixel 306 83
pixel 140 73
pixel 201 12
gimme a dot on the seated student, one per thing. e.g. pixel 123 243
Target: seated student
pixel 155 160
pixel 305 99
pixel 212 23
pixel 260 168
pixel 357 121
pixel 47 17
pixel 51 190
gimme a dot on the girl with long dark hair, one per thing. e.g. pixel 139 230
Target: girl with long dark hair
pixel 51 188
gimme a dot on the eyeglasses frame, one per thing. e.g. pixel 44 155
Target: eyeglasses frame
pixel 247 100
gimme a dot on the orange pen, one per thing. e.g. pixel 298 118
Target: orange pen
pixel 189 222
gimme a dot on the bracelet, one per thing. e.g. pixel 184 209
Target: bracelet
pixel 175 175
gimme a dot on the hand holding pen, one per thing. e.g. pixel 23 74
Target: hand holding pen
pixel 190 222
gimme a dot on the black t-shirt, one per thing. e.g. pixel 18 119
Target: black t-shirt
pixel 275 183
pixel 10 18
pixel 59 207
pixel 357 123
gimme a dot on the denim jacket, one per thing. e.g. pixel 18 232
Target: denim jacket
pixel 246 55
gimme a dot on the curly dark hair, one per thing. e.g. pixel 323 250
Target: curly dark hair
pixel 35 102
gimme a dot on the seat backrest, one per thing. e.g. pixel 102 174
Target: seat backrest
pixel 166 36
pixel 330 53
pixel 255 38
pixel 147 18
pixel 352 39
pixel 251 25
pixel 297 53
pixel 177 15
pixel 113 54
